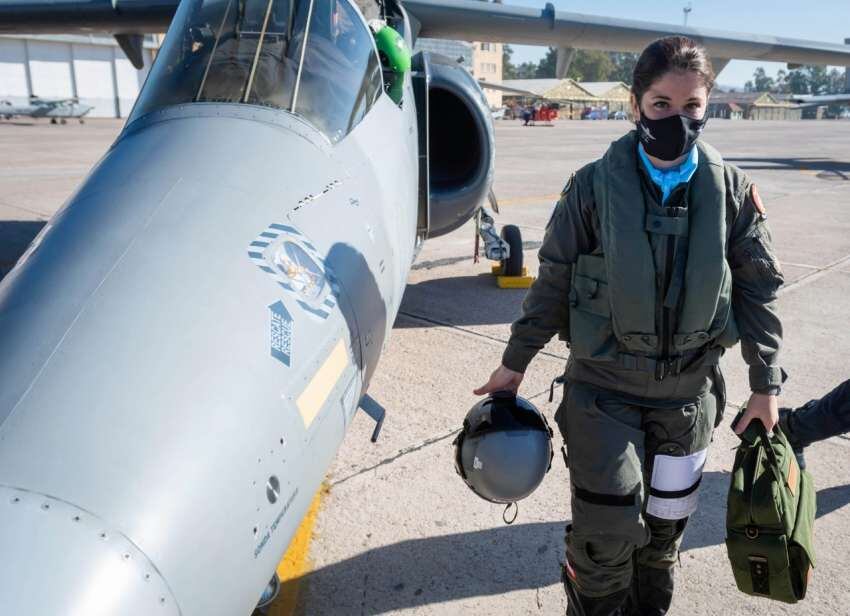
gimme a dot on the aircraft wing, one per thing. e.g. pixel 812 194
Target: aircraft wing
pixel 85 16
pixel 471 20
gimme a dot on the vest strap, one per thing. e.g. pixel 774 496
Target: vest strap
pixel 667 225
pixel 662 368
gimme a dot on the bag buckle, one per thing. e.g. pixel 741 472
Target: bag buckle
pixel 759 574
pixel 751 532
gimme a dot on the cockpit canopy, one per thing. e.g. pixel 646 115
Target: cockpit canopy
pixel 314 58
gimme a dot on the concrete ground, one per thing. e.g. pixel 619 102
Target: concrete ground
pixel 399 533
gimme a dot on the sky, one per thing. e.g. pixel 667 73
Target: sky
pixel 823 21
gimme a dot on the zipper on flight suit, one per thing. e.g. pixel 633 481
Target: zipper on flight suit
pixel 666 280
pixel 663 363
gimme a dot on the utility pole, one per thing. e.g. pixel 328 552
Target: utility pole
pixel 686 10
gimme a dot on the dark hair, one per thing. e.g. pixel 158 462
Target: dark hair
pixel 671 53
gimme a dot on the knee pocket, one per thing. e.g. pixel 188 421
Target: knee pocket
pixel 606 466
pixel 605 453
pixel 603 564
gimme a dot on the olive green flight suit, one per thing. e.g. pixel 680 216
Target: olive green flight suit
pixel 639 409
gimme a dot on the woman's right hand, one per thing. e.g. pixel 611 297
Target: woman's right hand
pixel 502 379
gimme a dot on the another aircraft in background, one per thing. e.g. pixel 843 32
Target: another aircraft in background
pixel 58 110
pixel 187 340
pixel 819 99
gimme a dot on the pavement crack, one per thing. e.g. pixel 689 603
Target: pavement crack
pixel 427 265
pixel 413 449
pixel 401 453
pixel 814 275
pixel 419 317
pixel 41 215
pixel 800 265
pixel 445 261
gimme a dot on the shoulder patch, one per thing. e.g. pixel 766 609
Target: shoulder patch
pixel 754 194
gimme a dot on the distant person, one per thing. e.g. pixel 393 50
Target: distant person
pixel 657 258
pixel 817 420
pixel 527 114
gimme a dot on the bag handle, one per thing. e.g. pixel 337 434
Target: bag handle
pixel 756 434
pixel 771 455
pixel 768 449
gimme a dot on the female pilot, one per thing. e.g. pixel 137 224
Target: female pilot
pixel 657 258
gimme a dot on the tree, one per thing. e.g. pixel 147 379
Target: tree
pixel 546 66
pixel 526 70
pixel 818 79
pixel 586 66
pixel 761 82
pixel 591 66
pixel 836 82
pixel 509 71
pixel 798 82
pixel 781 86
pixel 624 66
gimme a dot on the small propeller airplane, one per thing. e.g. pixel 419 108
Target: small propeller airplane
pixel 186 341
pixel 57 109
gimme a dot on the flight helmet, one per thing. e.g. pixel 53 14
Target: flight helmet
pixel 504 449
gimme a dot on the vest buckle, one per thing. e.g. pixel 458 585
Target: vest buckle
pixel 667 367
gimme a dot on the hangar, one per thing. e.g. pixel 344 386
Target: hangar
pixel 90 68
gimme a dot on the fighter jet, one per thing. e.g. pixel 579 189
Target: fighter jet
pixel 184 344
pixel 57 109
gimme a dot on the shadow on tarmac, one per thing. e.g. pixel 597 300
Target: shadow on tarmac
pixel 15 237
pixel 443 568
pixel 827 168
pixel 832 499
pixel 494 561
pixel 460 300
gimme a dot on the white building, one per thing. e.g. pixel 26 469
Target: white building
pixel 90 68
pixel 482 60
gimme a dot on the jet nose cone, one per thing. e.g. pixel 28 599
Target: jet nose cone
pixel 58 559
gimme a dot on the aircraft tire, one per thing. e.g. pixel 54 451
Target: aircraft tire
pixel 512 266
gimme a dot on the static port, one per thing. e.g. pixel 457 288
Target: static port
pixel 273 489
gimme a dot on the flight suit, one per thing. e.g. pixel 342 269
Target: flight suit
pixel 817 420
pixel 647 296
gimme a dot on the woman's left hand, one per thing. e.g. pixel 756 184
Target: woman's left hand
pixel 761 406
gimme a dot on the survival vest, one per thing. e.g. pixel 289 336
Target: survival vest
pixel 613 297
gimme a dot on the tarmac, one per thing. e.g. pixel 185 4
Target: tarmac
pixel 398 532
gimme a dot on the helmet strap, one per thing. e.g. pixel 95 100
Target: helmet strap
pixel 505 513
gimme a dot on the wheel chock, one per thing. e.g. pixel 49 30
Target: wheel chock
pixel 512 282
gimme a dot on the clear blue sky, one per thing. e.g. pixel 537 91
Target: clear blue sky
pixel 822 20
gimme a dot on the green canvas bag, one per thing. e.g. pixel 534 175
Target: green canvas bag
pixel 769 517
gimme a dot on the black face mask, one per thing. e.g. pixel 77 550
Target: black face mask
pixel 669 138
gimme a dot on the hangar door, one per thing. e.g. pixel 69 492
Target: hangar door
pixel 93 71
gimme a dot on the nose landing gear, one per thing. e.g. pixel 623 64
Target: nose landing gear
pixel 504 247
